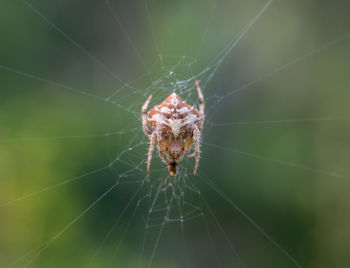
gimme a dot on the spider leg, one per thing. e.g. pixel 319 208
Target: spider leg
pixel 191 155
pixel 144 117
pixel 201 105
pixel 196 140
pixel 152 139
pixel 162 157
pixel 160 151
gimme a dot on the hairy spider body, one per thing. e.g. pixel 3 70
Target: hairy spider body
pixel 175 126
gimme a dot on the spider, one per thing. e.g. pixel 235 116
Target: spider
pixel 175 125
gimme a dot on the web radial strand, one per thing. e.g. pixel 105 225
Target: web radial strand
pixel 46 244
pixel 70 39
pixel 160 201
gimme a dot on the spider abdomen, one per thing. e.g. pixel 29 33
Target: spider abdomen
pixel 175 114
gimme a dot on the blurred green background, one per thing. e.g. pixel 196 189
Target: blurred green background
pixel 281 175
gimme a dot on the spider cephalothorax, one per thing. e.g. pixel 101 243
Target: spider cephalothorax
pixel 175 126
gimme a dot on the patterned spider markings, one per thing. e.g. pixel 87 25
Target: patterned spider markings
pixel 175 125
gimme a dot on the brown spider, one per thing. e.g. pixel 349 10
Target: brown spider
pixel 175 126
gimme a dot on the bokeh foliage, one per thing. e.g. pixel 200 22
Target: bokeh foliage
pixel 305 211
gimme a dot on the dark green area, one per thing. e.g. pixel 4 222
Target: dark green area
pixel 291 177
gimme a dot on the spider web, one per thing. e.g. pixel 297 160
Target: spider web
pixel 134 219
